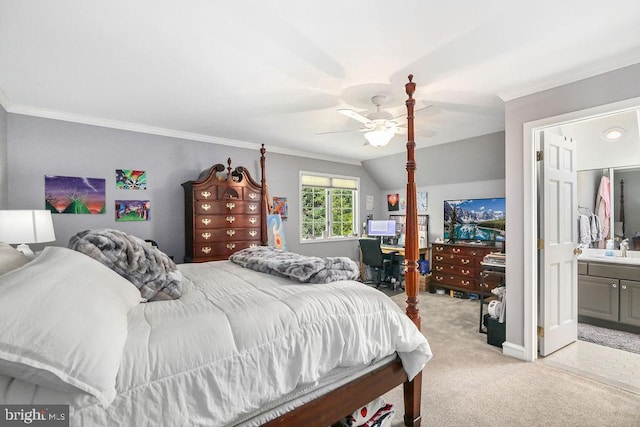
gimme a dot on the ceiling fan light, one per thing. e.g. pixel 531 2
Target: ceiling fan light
pixel 379 138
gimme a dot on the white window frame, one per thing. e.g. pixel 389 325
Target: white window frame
pixel 356 207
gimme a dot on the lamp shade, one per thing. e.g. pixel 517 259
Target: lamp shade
pixel 379 137
pixel 26 226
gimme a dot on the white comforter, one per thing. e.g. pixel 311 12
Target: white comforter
pixel 234 345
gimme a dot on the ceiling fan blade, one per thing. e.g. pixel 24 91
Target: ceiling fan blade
pixel 428 110
pixel 352 114
pixel 338 131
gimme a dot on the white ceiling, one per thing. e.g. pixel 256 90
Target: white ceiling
pixel 275 72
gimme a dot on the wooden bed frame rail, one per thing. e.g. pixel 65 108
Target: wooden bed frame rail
pixel 337 404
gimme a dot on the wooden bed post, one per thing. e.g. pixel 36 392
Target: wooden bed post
pixel 264 205
pixel 412 389
pixel 411 237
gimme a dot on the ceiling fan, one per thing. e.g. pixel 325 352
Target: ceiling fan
pixel 379 126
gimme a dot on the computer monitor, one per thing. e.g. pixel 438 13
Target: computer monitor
pixel 380 227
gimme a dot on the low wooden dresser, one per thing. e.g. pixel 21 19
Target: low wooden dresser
pixel 224 213
pixel 458 266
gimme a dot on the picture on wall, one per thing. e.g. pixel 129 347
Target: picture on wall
pixel 393 202
pixel 132 210
pixel 280 206
pixel 475 220
pixel 275 232
pixel 422 199
pixel 129 179
pixel 74 195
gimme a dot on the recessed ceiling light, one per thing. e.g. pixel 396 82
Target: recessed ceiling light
pixel 613 134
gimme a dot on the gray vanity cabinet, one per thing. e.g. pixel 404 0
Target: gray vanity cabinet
pixel 598 297
pixel 606 292
pixel 630 302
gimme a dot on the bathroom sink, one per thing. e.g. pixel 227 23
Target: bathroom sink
pixel 612 259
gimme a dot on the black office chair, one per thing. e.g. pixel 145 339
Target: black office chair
pixel 381 264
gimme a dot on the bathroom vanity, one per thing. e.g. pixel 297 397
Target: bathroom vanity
pixel 609 291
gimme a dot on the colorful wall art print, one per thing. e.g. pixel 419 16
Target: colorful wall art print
pixel 74 195
pixel 280 206
pixel 132 210
pixel 129 179
pixel 275 232
pixel 393 202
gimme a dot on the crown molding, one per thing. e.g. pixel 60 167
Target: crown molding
pixel 152 130
pixel 571 77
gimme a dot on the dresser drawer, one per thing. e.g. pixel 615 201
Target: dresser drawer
pixel 204 235
pixel 221 249
pixel 207 207
pixel 251 195
pixel 209 193
pixel 457 270
pixel 227 221
pixel 456 281
pixel 461 260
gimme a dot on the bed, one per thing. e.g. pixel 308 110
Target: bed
pixel 238 347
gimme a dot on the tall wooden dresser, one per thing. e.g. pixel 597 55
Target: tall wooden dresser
pixel 458 267
pixel 224 213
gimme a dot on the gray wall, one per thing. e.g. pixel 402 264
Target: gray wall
pixel 3 159
pixel 468 160
pixel 604 89
pixel 38 147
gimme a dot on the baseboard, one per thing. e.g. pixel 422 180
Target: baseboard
pixel 514 350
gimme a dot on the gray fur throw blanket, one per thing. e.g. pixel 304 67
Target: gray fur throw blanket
pixel 306 269
pixel 148 268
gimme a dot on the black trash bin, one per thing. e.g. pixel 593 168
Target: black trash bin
pixel 496 334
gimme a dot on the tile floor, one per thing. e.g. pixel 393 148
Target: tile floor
pixel 610 366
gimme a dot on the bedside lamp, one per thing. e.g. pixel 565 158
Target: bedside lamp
pixel 26 226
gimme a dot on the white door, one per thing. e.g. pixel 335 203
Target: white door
pixel 557 264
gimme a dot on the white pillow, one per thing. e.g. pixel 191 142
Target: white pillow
pixel 10 258
pixel 64 322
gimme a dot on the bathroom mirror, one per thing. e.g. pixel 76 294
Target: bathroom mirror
pixel 609 147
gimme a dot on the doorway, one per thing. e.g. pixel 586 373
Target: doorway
pixel 531 131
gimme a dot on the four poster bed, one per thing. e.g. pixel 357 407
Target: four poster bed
pixel 217 343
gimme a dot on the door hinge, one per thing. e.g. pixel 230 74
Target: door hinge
pixel 540 244
pixel 539 155
pixel 540 331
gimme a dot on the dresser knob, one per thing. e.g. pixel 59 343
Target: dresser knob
pixel 465 261
pixel 253 220
pixel 466 272
pixel 439 268
pixel 439 258
pixel 206 221
pixel 230 205
pixel 206 249
pixel 253 233
pixel 439 248
pixel 252 208
pixel 205 194
pixel 230 219
pixel 253 245
pixel 456 250
pixel 231 232
pixel 231 246
pixel 465 282
pixel 205 207
pixel 253 196
pixel 206 236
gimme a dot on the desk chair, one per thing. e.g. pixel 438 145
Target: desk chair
pixel 381 264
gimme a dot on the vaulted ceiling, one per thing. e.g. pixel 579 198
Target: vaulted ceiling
pixel 276 72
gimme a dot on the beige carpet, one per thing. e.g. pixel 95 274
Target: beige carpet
pixel 470 383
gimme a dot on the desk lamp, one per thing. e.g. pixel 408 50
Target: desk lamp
pixel 22 227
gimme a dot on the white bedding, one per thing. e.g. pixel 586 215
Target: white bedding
pixel 235 344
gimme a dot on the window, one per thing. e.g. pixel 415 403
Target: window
pixel 329 206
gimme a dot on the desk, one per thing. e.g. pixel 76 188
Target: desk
pixel 423 253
